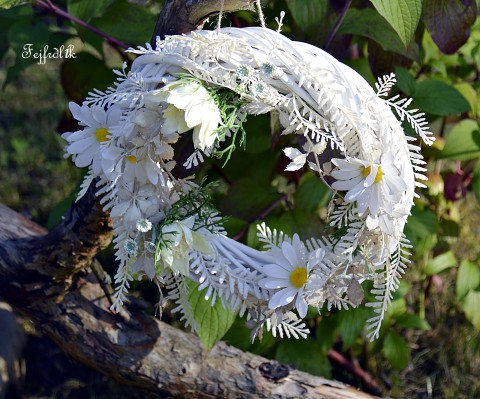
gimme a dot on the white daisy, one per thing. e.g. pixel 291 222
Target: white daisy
pixel 375 187
pixel 191 106
pixel 290 274
pixel 85 145
pixel 182 239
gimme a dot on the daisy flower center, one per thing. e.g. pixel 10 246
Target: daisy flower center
pixel 367 170
pixel 298 277
pixel 101 134
pixel 132 159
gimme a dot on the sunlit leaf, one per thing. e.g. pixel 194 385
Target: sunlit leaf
pixel 367 22
pixel 213 321
pixel 402 15
pixel 308 14
pixel 449 22
pixel 6 4
pixel 463 141
pixel 440 263
pixel 468 278
pixel 471 306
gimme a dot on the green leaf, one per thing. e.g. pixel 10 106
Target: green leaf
pixel 327 331
pixel 410 320
pixel 304 354
pixel 312 193
pixel 213 321
pixel 246 199
pixel 396 351
pixel 352 323
pixel 405 81
pixel 439 98
pixel 402 15
pixel 308 14
pixel 82 74
pixel 368 23
pixel 449 22
pixel 440 263
pixel 6 4
pixel 463 141
pixel 127 22
pixel 468 278
pixel 471 306
pixel 86 10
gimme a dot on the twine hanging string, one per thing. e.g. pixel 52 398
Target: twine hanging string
pixel 220 15
pixel 261 17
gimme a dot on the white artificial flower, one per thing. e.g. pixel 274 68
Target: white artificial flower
pixel 191 107
pixel 375 187
pixel 298 159
pixel 85 145
pixel 181 239
pixel 290 274
pixel 135 203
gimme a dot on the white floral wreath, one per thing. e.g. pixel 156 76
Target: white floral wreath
pixel 166 229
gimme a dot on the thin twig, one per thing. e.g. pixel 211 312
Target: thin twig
pixel 334 31
pixel 261 215
pixel 48 5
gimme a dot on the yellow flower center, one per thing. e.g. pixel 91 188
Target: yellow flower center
pixel 298 277
pixel 132 159
pixel 378 178
pixel 101 134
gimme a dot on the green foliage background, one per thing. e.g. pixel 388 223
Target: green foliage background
pixel 429 346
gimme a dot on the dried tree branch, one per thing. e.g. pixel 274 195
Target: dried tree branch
pixel 179 17
pixel 138 350
pixel 43 276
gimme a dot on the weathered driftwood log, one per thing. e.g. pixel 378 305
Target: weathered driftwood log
pixel 136 348
pixel 43 275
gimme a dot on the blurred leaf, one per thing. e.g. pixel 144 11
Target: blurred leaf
pixel 28 40
pixel 127 22
pixel 440 263
pixel 439 98
pixel 82 74
pixel 384 62
pixel 239 336
pixel 312 193
pixel 410 320
pixel 308 14
pixel 87 9
pixel 449 22
pixel 463 141
pixel 368 23
pixel 351 324
pixel 467 91
pixel 468 278
pixel 405 81
pixel 246 199
pixel 260 139
pixel 6 4
pixel 476 180
pixel 327 331
pixel 471 306
pixel 402 15
pixel 396 350
pixel 214 321
pixel 422 222
pixel 304 354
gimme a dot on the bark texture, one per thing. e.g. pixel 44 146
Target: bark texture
pixel 44 275
pixel 133 348
pixel 183 16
